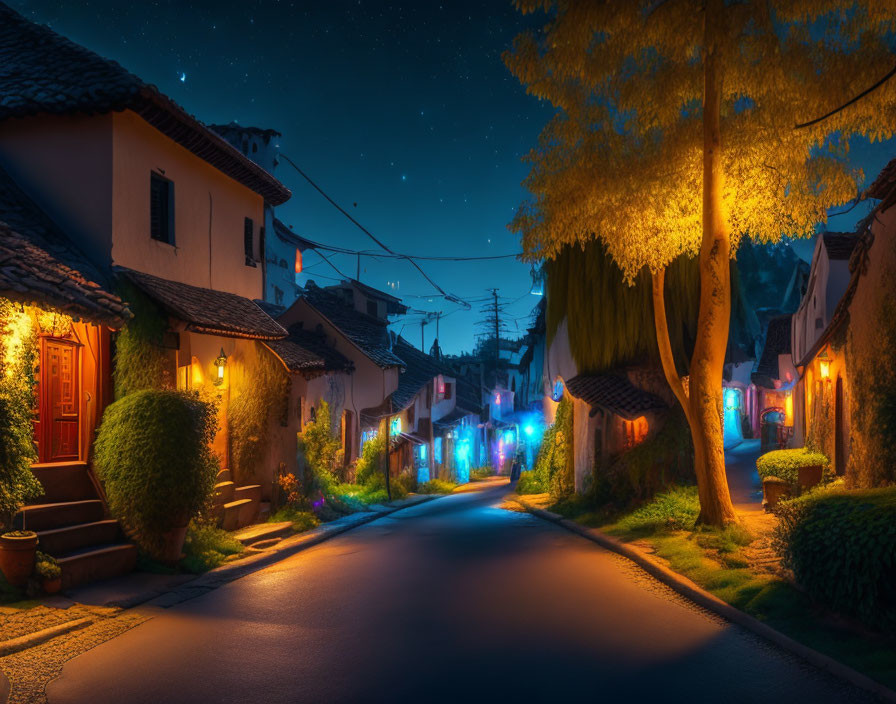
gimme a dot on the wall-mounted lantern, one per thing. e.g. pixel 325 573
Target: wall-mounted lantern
pixel 220 363
pixel 824 368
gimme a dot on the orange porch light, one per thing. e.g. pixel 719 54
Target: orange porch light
pixel 824 368
pixel 298 261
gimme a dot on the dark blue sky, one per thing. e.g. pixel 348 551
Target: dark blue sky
pixel 403 108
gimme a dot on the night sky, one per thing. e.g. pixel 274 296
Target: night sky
pixel 402 111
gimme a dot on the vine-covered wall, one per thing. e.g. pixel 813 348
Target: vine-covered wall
pixel 140 361
pixel 18 363
pixel 610 324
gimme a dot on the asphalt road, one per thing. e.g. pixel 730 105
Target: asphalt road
pixel 455 600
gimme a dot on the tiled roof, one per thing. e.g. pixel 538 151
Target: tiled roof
pixel 469 396
pixel 452 419
pixel 615 394
pixel 777 342
pixel 839 245
pixel 308 353
pixel 369 334
pixel 207 311
pixel 39 265
pixel 884 182
pixel 44 72
pixel 420 370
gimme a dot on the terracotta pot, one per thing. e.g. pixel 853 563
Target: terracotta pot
pixel 773 490
pixel 52 586
pixel 17 557
pixel 171 551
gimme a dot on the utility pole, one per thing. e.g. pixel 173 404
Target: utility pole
pixel 358 269
pixel 422 343
pixel 497 338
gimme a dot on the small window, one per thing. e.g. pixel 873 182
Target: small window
pixel 161 208
pixel 448 390
pixel 371 308
pixel 248 244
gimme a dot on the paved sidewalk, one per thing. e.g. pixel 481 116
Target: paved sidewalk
pixel 743 480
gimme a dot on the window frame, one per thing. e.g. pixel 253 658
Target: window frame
pixel 166 201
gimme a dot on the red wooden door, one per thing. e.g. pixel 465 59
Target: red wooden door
pixel 59 400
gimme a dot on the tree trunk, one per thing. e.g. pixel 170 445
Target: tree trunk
pixel 705 386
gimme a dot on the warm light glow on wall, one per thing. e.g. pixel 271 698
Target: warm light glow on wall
pixel 18 328
pixel 788 409
pixel 196 375
pixel 298 261
pixel 824 367
pixel 220 363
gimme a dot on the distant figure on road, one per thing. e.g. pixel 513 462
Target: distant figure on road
pixel 515 468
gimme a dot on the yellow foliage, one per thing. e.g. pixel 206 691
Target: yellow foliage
pixel 622 160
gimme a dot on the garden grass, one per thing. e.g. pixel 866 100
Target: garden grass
pixel 714 560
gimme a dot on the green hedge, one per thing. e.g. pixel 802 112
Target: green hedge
pixel 785 464
pixel 153 454
pixel 841 546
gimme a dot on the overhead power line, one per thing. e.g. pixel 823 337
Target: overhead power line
pixel 367 232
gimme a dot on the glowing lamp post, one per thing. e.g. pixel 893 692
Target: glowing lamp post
pixel 220 363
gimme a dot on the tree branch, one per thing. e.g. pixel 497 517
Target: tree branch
pixel 848 102
pixel 658 280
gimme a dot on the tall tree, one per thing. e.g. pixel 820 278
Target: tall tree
pixel 681 128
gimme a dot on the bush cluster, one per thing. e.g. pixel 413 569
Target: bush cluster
pixel 436 486
pixel 206 547
pixel 17 363
pixel 841 547
pixel 553 469
pixel 153 454
pixel 785 464
pixel 676 509
pixel 662 461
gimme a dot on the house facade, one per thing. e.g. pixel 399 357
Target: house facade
pixel 821 395
pixel 152 195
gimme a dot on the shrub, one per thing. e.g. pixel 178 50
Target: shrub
pixel 785 464
pixel 436 486
pixel 206 547
pixel 553 466
pixel 46 567
pixel 676 509
pixel 153 453
pixel 321 450
pixel 529 483
pixel 301 520
pixel 370 466
pixel 841 547
pixel 18 354
pixel 481 472
pixel 666 459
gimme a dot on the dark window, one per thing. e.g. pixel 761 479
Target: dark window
pixel 447 391
pixel 261 244
pixel 248 244
pixel 161 208
pixel 371 308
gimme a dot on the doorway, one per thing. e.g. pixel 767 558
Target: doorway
pixel 58 401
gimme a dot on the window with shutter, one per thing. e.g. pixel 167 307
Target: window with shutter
pixel 161 208
pixel 248 244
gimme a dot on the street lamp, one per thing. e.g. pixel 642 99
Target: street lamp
pixel 220 363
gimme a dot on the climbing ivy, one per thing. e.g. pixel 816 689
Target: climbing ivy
pixel 554 471
pixel 18 359
pixel 139 356
pixel 255 396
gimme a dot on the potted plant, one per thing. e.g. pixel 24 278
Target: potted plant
pixel 153 454
pixel 18 549
pixel 48 572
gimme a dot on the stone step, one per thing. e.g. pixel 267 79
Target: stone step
pixel 224 475
pixel 41 517
pixel 60 541
pixel 224 492
pixel 64 481
pixel 248 513
pixel 263 531
pixel 230 519
pixel 99 562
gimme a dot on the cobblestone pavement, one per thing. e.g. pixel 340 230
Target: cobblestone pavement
pixel 31 669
